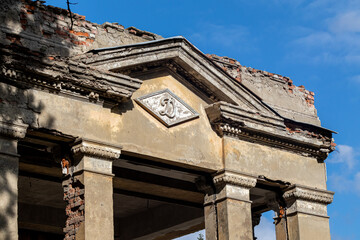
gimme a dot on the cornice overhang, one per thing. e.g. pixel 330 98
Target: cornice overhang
pixel 182 57
pixel 231 120
pixel 309 194
pixel 66 76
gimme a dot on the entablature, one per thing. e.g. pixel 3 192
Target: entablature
pixel 61 75
pixel 231 120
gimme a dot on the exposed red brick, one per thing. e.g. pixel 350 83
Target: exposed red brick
pixel 74 194
pixel 61 33
pixel 15 39
pixel 82 34
pixel 79 42
pixel 30 7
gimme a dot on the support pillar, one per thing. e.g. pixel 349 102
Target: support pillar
pixel 9 169
pixel 227 207
pixel 89 192
pixel 305 215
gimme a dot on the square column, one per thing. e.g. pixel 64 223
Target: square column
pixel 305 215
pixel 9 169
pixel 88 190
pixel 227 207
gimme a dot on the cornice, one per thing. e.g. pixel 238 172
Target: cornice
pixel 65 76
pixel 13 130
pixel 308 194
pixel 231 120
pixel 92 149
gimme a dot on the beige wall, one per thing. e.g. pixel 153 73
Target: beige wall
pixel 191 143
pixel 273 163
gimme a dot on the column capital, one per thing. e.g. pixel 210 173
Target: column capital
pixel 95 149
pixel 233 185
pixel 306 200
pixel 92 156
pixel 308 194
pixel 225 177
pixel 13 130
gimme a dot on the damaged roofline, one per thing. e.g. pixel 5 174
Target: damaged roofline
pixel 183 39
pixel 309 125
pixel 198 51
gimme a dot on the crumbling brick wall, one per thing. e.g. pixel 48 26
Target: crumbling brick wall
pixel 43 30
pixel 276 90
pixel 47 29
pixel 74 194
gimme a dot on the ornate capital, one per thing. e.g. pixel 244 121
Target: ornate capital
pixel 89 148
pixel 308 194
pixel 236 179
pixel 13 130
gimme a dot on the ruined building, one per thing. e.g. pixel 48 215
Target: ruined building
pixel 111 133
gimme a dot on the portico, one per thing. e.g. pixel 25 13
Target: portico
pixel 155 140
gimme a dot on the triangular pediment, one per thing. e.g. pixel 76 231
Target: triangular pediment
pixel 182 58
pixel 232 109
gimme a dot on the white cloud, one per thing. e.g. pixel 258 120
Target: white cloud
pixel 340 182
pixel 346 22
pixel 346 178
pixel 344 154
pixel 357 182
pixel 356 78
pixel 345 183
pixel 335 39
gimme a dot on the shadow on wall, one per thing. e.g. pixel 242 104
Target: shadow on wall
pixel 8 195
pixel 25 38
pixel 17 106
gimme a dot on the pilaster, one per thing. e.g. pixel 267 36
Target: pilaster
pixel 306 214
pixel 89 191
pixel 227 207
pixel 9 168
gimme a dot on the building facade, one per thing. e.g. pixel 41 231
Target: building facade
pixel 112 133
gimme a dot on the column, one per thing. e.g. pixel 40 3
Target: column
pixel 305 216
pixel 9 169
pixel 227 207
pixel 88 191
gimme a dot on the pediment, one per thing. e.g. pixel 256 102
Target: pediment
pixel 232 108
pixel 182 58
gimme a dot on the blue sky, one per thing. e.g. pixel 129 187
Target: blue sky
pixel 315 43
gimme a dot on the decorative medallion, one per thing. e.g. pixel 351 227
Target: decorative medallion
pixel 167 107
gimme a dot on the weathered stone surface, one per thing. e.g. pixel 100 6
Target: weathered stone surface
pixel 238 139
pixel 47 29
pixel 9 169
pixel 277 91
